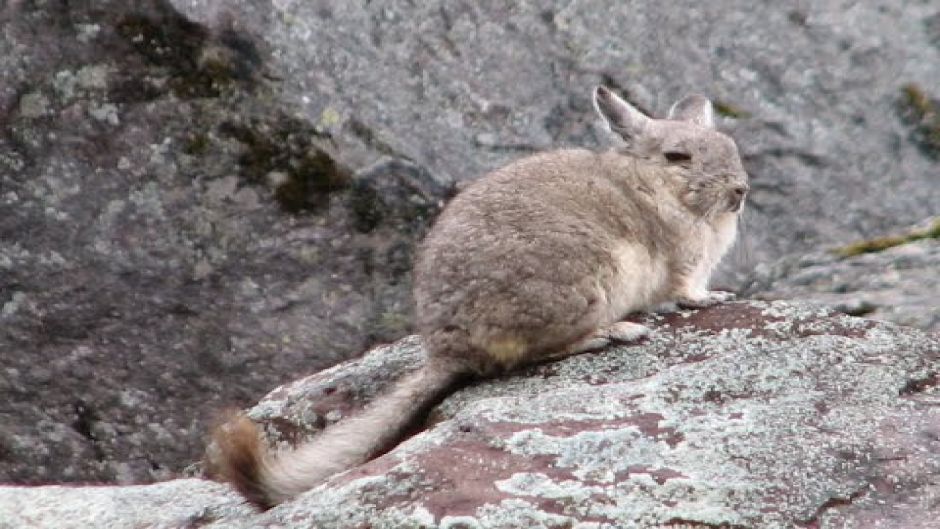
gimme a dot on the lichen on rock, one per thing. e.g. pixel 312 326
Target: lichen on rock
pixel 750 414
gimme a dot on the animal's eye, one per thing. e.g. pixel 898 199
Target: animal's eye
pixel 677 156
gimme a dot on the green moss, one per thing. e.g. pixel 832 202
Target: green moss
pixel 367 207
pixel 797 17
pixel 870 246
pixel 309 183
pixel 395 193
pixel 394 323
pixel 729 110
pixel 914 98
pixel 196 144
pixel 194 64
pixel 921 114
pixel 209 79
pixel 883 243
pixel 286 145
pixel 163 41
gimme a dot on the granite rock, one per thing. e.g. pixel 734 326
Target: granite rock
pixel 746 415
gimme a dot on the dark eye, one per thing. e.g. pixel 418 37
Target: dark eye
pixel 677 156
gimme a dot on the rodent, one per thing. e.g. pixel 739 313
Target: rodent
pixel 537 260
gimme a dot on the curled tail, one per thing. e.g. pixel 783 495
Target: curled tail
pixel 266 479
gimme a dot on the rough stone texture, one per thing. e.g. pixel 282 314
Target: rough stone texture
pixel 173 239
pixel 747 415
pixel 178 504
pixel 201 198
pixel 814 88
pixel 898 284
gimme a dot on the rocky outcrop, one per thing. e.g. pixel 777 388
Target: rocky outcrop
pixel 891 278
pixel 746 415
pixel 177 238
pixel 200 199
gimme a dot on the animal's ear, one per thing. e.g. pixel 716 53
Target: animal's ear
pixel 622 117
pixel 695 108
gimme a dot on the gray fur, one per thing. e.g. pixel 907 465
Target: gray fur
pixel 542 258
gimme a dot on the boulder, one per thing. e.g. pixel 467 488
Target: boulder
pixel 176 238
pixel 200 199
pixel 890 278
pixel 745 415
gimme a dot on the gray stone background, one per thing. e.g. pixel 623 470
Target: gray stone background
pixel 200 200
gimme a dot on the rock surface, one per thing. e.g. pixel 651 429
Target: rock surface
pixel 175 240
pixel 747 415
pixel 897 284
pixel 198 199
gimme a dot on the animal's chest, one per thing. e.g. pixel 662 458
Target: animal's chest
pixel 718 238
pixel 728 230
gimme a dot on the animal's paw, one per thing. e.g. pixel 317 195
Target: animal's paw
pixel 709 299
pixel 625 331
pixel 622 331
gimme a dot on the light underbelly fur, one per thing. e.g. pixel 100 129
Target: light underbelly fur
pixel 638 281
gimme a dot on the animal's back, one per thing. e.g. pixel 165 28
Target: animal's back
pixel 524 258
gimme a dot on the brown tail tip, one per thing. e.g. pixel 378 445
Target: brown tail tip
pixel 240 459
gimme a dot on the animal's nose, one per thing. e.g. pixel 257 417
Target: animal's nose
pixel 741 190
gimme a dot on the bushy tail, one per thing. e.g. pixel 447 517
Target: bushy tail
pixel 266 480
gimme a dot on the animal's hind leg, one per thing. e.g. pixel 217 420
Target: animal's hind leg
pixel 622 331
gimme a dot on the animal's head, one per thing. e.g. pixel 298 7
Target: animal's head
pixel 704 162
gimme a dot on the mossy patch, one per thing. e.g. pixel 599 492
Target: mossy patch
pixel 921 113
pixel 883 243
pixel 398 193
pixel 196 144
pixel 728 110
pixel 287 146
pixel 183 57
pixel 367 207
pixel 391 323
pixel 798 17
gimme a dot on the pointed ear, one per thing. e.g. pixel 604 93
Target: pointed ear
pixel 622 117
pixel 695 108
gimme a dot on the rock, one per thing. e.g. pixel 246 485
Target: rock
pixel 819 97
pixel 891 278
pixel 751 414
pixel 181 503
pixel 151 273
pixel 192 199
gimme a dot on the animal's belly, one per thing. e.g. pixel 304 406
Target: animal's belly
pixel 639 282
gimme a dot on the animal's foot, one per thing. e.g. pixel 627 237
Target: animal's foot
pixel 591 343
pixel 626 331
pixel 622 331
pixel 709 299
